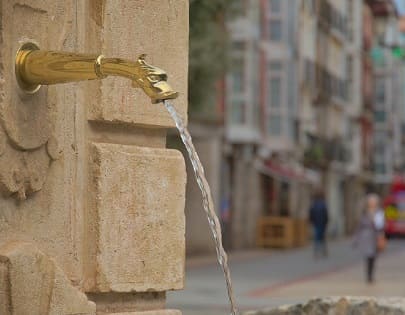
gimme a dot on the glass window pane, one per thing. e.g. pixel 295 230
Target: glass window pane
pixel 379 116
pixel 380 90
pixel 275 6
pixel 379 149
pixel 275 66
pixel 238 46
pixel 275 30
pixel 380 168
pixel 275 92
pixel 237 81
pixel 237 112
pixel 237 74
pixel 274 125
pixel 291 128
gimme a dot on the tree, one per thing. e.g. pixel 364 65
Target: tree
pixel 208 51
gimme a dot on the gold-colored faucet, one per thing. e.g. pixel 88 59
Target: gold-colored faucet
pixel 35 67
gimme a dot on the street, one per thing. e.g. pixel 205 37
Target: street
pixel 270 278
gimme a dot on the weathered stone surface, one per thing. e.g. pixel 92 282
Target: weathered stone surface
pixel 341 306
pixel 52 219
pixel 27 120
pixel 44 155
pixel 121 302
pixel 161 312
pixel 163 22
pixel 139 218
pixel 33 285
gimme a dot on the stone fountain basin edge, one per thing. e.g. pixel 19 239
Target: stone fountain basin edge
pixel 347 305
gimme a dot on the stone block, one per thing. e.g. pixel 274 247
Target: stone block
pixel 162 35
pixel 32 284
pixel 157 312
pixel 122 302
pixel 137 214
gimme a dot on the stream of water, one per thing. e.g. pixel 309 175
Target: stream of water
pixel 207 201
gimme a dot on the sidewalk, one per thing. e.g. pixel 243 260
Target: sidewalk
pixel 390 281
pixel 272 278
pixel 236 256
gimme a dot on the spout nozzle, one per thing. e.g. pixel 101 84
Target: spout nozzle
pixel 158 92
pixel 153 81
pixel 165 97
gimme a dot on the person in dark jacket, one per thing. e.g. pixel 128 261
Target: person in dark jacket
pixel 366 236
pixel 318 217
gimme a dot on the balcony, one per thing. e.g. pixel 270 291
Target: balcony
pixel 331 19
pixel 324 85
pixel 321 152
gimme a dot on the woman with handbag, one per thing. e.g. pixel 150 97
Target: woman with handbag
pixel 369 234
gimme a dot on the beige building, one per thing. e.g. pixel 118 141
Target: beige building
pixel 263 174
pixel 330 100
pixel 92 205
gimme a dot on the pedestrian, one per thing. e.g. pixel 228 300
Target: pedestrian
pixel 318 217
pixel 379 217
pixel 368 234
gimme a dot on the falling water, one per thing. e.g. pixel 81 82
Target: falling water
pixel 207 201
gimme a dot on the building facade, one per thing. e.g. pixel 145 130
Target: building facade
pixel 313 99
pixel 264 173
pixel 331 101
pixel 388 71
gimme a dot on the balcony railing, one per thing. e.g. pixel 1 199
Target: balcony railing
pixel 320 152
pixel 331 18
pixel 323 84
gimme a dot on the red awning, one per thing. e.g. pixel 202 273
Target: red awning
pixel 284 172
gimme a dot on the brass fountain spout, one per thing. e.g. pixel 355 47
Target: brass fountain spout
pixel 35 67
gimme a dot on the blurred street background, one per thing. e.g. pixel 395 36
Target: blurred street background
pixel 288 97
pixel 263 279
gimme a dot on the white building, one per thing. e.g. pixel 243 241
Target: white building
pixel 331 100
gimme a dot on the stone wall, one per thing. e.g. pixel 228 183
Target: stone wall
pixel 92 203
pixel 341 306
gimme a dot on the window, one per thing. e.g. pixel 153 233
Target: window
pixel 275 30
pixel 380 168
pixel 275 24
pixel 291 128
pixel 275 92
pixel 274 125
pixel 238 46
pixel 380 90
pixel 237 79
pixel 276 96
pixel 237 75
pixel 349 75
pixel 379 116
pixel 380 136
pixel 239 6
pixel 379 150
pixel 275 6
pixel 275 66
pixel 350 19
pixel 237 112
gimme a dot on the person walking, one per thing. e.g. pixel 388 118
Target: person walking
pixel 367 234
pixel 318 217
